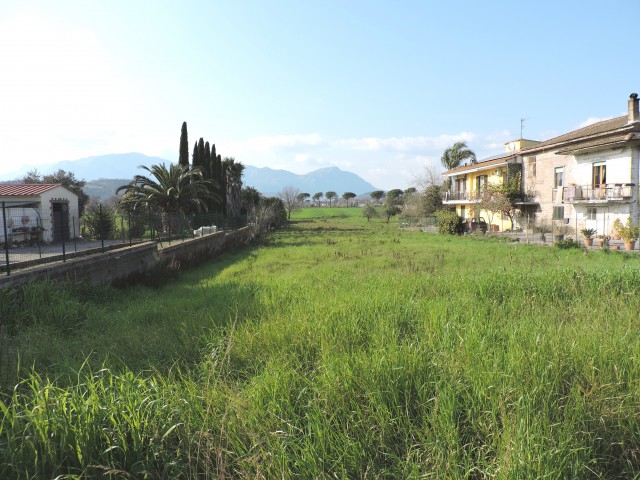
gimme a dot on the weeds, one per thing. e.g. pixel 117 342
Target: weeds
pixel 396 355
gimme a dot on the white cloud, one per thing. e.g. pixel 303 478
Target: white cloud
pixel 265 143
pixel 406 144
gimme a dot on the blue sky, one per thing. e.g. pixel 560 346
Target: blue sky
pixel 376 88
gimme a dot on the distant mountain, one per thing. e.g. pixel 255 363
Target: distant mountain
pixel 104 188
pixel 105 173
pixel 269 181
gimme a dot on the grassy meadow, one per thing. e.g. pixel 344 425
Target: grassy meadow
pixel 336 348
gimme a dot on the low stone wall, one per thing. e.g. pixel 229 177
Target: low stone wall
pixel 131 264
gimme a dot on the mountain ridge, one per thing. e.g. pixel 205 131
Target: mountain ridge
pixel 104 173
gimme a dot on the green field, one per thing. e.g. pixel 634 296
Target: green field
pixel 336 348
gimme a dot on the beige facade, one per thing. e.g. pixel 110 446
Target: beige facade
pixel 582 179
pixel 589 177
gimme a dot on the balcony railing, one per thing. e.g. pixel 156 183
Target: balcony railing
pixel 461 196
pixel 588 193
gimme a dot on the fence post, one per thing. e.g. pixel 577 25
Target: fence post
pixel 150 222
pixel 75 237
pixel 6 238
pixel 40 233
pixel 64 252
pixel 101 223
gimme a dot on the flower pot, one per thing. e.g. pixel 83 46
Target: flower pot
pixel 615 247
pixel 588 242
pixel 629 245
pixel 599 242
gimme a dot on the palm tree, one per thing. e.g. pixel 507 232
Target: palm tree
pixel 173 191
pixel 233 179
pixel 454 156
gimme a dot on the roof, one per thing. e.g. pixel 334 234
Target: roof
pixel 25 189
pixel 482 164
pixel 605 133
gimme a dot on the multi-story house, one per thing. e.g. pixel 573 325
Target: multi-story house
pixel 584 179
pixel 469 181
pixel 589 177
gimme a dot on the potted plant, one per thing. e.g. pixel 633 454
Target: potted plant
pixel 601 240
pixel 588 234
pixel 617 226
pixel 629 234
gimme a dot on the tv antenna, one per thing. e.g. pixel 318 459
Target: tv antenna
pixel 522 120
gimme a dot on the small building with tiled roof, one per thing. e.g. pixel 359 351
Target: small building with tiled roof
pixel 37 212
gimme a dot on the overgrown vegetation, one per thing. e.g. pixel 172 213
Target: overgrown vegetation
pixel 337 348
pixel 449 222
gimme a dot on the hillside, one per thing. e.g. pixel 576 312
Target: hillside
pixel 105 173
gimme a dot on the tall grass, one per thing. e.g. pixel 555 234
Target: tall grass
pixel 336 349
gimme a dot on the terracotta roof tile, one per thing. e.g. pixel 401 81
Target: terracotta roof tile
pixel 589 134
pixel 25 189
pixel 481 164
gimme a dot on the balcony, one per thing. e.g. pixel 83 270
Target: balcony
pixel 616 193
pixel 461 196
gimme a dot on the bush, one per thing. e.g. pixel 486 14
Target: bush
pixel 567 244
pixel 449 222
pixel 100 221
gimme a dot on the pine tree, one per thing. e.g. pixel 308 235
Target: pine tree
pixel 183 159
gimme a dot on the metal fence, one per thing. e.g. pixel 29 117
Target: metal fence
pixel 32 235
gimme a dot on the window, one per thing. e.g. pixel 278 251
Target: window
pixel 558 213
pixel 599 174
pixel 462 211
pixel 559 177
pixel 591 213
pixel 460 184
pixel 481 182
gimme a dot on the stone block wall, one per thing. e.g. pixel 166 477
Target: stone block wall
pixel 131 264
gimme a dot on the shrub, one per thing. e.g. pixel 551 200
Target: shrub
pixel 567 244
pixel 449 222
pixel 100 221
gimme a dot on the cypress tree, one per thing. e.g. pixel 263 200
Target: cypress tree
pixel 183 158
pixel 215 202
pixel 195 158
pixel 207 161
pixel 201 155
pixel 220 178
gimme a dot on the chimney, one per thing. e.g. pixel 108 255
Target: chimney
pixel 634 111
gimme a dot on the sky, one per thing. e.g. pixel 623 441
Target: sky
pixel 377 88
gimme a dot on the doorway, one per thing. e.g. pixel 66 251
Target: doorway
pixel 60 218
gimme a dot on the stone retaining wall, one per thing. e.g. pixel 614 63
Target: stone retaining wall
pixel 131 264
